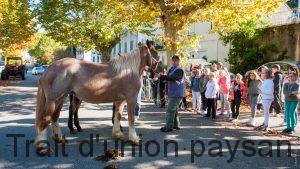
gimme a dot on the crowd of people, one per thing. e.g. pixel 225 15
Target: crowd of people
pixel 208 86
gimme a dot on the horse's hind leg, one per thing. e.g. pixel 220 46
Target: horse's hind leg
pixel 116 132
pixel 44 114
pixel 71 113
pixel 57 134
pixel 76 104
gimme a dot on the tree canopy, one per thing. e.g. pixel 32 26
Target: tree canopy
pixel 246 52
pixel 16 24
pixel 292 3
pixel 18 48
pixel 91 24
pixel 175 17
pixel 46 48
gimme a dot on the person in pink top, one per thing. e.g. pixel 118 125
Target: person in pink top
pixel 224 84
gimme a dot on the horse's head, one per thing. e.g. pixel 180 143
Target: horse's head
pixel 154 58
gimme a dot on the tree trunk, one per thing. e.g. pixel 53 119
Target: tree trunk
pixel 105 53
pixel 171 35
pixel 106 49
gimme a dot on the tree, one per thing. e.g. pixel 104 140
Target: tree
pixel 63 53
pixel 18 48
pixel 91 24
pixel 246 52
pixel 45 49
pixel 292 3
pixel 175 16
pixel 16 23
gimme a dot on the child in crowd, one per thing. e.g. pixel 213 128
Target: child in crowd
pixel 224 84
pixel 162 88
pixel 195 86
pixel 154 85
pixel 237 95
pixel 262 69
pixel 277 89
pixel 291 90
pixel 254 91
pixel 267 96
pixel 203 81
pixel 184 102
pixel 210 94
pixel 286 79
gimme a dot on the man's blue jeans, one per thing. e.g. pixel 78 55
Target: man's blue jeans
pixel 172 119
pixel 137 110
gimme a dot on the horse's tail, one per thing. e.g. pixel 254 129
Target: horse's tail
pixel 40 106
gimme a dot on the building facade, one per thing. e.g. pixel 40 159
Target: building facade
pixel 91 55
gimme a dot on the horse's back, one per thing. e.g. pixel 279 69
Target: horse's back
pixel 58 77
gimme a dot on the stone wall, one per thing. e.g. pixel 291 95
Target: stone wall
pixel 286 38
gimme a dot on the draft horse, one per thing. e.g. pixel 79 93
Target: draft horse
pixel 117 81
pixel 76 102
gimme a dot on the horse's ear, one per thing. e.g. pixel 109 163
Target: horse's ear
pixel 148 43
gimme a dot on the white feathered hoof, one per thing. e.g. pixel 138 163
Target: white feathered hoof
pixel 118 135
pixel 134 140
pixel 42 149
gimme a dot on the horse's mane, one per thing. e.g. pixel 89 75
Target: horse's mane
pixel 129 62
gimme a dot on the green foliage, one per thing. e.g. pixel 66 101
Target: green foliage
pixel 91 24
pixel 246 53
pixel 16 23
pixel 45 49
pixel 175 16
pixel 293 3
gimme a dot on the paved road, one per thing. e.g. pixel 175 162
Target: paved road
pixel 17 106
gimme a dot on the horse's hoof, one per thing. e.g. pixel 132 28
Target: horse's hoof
pixel 73 131
pixel 134 140
pixel 61 139
pixel 118 135
pixel 43 151
pixel 79 129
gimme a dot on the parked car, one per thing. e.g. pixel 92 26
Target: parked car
pixel 14 67
pixel 45 66
pixel 37 70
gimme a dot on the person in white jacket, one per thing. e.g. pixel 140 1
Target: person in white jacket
pixel 210 94
pixel 267 90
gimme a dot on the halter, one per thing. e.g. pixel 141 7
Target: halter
pixel 155 60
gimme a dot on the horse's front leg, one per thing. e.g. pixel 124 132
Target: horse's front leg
pixel 131 103
pixel 116 132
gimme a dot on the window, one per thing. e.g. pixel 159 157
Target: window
pixel 125 47
pixel 120 48
pixel 131 45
